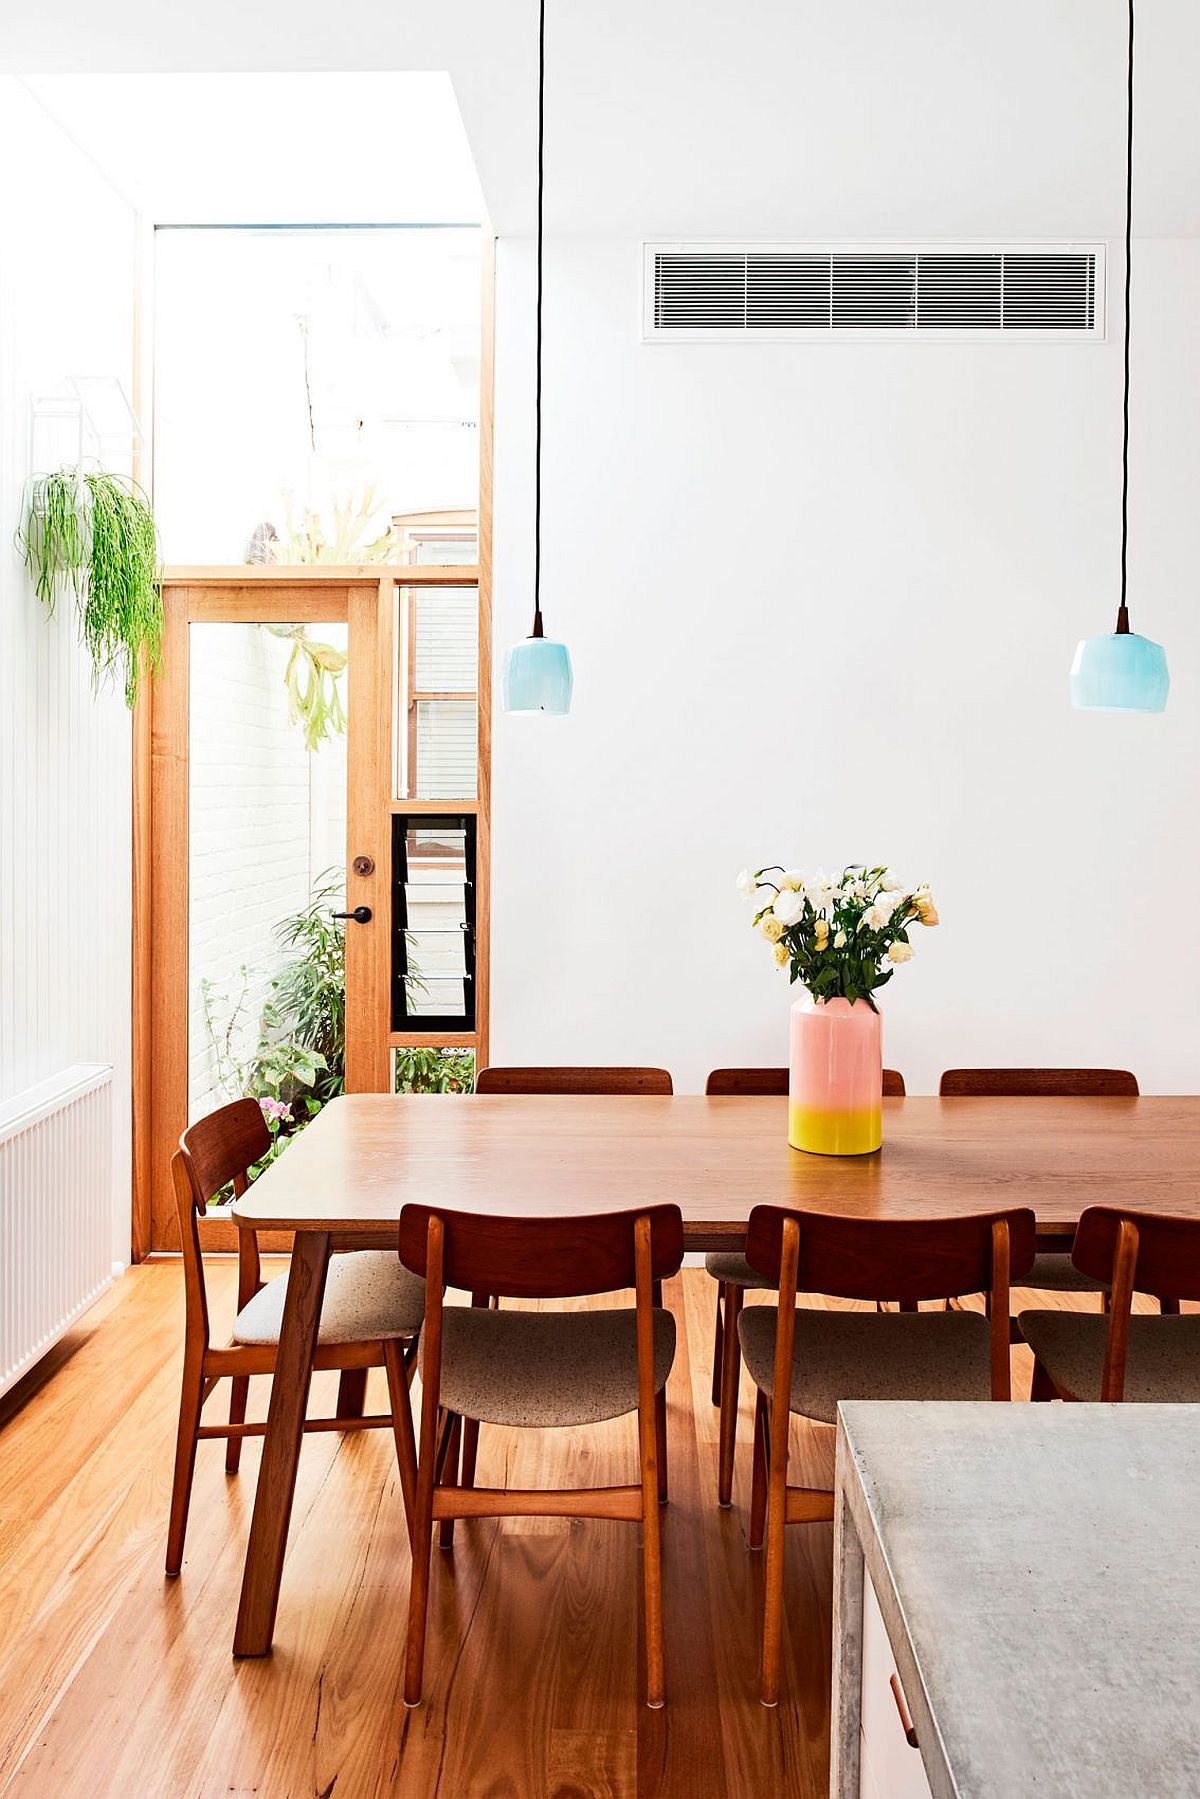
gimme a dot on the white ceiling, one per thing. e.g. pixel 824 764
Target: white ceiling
pixel 772 117
pixel 278 149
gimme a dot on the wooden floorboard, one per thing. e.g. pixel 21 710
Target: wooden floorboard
pixel 114 1680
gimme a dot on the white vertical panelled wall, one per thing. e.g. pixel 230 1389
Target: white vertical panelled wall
pixel 67 244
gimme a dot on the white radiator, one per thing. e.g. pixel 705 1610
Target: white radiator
pixel 55 1211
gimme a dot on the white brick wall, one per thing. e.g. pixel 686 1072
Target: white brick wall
pixel 266 818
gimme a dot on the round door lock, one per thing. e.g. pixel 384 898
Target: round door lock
pixel 363 865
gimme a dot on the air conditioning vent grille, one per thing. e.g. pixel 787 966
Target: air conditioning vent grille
pixel 698 292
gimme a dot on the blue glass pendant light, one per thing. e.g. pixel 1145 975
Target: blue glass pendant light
pixel 1122 672
pixel 537 672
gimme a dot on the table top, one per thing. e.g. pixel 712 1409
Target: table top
pixel 1041 1564
pixel 367 1155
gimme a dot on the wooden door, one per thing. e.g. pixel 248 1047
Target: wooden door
pixel 189 728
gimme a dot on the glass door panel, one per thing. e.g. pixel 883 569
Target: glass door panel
pixel 266 999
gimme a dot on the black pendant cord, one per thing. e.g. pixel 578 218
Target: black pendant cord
pixel 1123 609
pixel 541 182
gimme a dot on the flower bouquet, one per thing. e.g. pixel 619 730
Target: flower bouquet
pixel 843 937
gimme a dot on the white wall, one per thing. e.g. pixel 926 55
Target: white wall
pixel 822 601
pixel 66 308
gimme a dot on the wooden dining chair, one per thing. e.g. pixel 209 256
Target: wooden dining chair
pixel 370 1318
pixel 1084 1356
pixel 1053 1270
pixel 757 1083
pixel 805 1361
pixel 573 1080
pixel 733 1273
pixel 542 1370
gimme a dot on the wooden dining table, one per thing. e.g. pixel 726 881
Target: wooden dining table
pixel 343 1182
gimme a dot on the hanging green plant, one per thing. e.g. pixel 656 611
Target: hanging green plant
pixel 96 533
pixel 311 679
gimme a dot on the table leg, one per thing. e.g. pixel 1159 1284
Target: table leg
pixel 281 1445
pixel 846 1712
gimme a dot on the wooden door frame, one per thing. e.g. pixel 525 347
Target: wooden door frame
pixel 366 600
pixel 158 943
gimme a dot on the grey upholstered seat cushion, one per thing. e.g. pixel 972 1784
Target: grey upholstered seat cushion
pixel 871 1355
pixel 1055 1272
pixel 546 1368
pixel 1163 1361
pixel 731 1265
pixel 369 1293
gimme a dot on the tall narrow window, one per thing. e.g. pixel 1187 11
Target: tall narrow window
pixel 434 910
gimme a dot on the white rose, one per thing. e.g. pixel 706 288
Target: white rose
pixel 789 906
pixel 792 878
pixel 900 952
pixel 874 918
pixel 820 892
pixel 839 940
pixel 747 885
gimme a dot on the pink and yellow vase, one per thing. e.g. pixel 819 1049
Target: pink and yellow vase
pixel 835 1087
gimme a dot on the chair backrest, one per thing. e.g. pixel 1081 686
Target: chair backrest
pixel 536 1258
pixel 573 1080
pixel 215 1152
pixel 875 1258
pixel 218 1150
pixel 1165 1250
pixel 884 1258
pixel 727 1083
pixel 1142 1252
pixel 541 1258
pixel 1038 1083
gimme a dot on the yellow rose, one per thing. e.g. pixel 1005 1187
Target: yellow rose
pixel 783 954
pixel 926 910
pixel 821 934
pixel 900 952
pixel 772 930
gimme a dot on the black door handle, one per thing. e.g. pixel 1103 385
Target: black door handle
pixel 360 915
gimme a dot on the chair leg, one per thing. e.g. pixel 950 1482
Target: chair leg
pixel 352 1393
pixel 191 1399
pixel 718 1342
pixel 731 1370
pixel 758 1487
pixel 651 1559
pixel 239 1393
pixel 773 1582
pixel 418 1585
pixel 402 1425
pixel 470 1450
pixel 660 1442
pixel 450 1478
pixel 1042 1387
